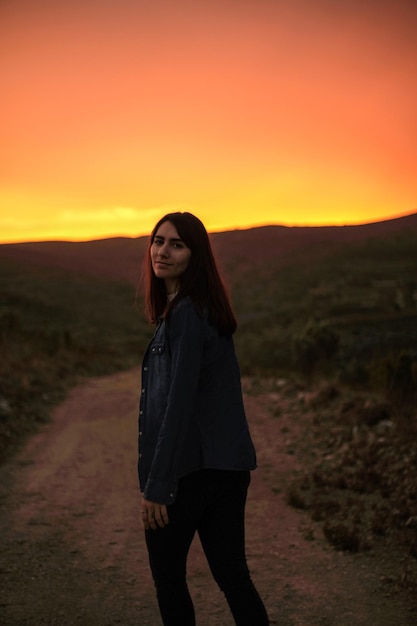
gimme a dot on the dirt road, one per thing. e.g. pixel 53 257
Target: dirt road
pixel 72 545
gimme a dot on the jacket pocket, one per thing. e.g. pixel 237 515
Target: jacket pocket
pixel 157 349
pixel 160 367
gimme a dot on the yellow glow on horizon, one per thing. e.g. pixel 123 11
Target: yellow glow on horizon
pixel 287 113
pixel 129 222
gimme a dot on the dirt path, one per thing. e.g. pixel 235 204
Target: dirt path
pixel 72 546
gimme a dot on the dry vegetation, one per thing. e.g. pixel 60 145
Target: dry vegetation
pixel 354 460
pixel 340 320
pixel 361 480
pixel 57 327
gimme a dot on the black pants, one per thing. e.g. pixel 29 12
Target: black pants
pixel 211 503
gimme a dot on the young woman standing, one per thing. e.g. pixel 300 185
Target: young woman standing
pixel 195 449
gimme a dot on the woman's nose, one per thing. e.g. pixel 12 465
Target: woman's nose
pixel 163 250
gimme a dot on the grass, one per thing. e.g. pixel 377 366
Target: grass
pixel 57 327
pixel 348 318
pixel 362 297
pixel 359 484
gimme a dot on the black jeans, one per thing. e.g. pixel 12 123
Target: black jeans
pixel 211 503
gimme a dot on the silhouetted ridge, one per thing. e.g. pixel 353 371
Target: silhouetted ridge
pixel 120 258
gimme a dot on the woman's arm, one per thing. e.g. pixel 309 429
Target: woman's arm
pixel 185 330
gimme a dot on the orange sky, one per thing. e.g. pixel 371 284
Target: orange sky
pixel 245 112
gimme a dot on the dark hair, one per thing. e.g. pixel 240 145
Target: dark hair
pixel 201 280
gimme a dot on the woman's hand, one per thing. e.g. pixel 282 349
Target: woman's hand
pixel 154 515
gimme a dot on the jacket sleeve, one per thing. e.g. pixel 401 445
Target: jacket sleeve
pixel 186 341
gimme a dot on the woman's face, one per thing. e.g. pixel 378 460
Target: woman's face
pixel 169 256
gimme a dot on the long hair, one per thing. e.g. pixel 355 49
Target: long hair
pixel 201 279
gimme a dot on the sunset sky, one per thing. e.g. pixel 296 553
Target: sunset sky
pixel 245 112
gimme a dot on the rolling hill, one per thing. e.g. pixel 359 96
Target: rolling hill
pixel 121 258
pixel 331 313
pixel 334 302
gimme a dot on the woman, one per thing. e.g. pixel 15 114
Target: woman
pixel 195 450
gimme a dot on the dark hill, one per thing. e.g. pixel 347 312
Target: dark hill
pixel 121 258
pixel 117 258
pixel 282 242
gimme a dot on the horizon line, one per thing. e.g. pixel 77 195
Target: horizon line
pixel 213 230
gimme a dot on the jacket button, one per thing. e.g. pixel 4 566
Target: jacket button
pixel 143 390
pixel 145 369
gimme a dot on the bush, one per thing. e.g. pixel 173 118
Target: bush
pixel 315 347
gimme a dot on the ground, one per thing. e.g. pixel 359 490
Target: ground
pixel 73 549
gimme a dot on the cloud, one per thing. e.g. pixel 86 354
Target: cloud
pixel 110 214
pixel 120 214
pixel 79 223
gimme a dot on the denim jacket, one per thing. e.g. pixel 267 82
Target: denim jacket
pixel 191 413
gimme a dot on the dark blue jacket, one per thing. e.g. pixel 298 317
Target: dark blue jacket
pixel 191 408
